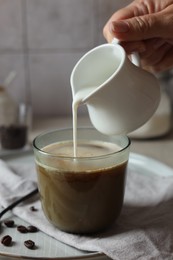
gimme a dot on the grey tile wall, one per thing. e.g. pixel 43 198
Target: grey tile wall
pixel 60 24
pixel 42 40
pixel 11 28
pixel 50 87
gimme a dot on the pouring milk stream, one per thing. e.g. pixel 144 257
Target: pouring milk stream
pixel 120 96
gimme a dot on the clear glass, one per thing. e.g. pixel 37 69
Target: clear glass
pixel 14 127
pixel 81 194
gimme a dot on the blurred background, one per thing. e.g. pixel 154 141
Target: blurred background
pixel 41 40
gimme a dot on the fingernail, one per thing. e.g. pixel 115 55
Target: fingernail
pixel 119 26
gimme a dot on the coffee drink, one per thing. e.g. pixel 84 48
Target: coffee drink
pixel 81 194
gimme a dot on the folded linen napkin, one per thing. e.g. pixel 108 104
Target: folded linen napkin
pixel 144 231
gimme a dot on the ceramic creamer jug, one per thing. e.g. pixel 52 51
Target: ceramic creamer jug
pixel 119 95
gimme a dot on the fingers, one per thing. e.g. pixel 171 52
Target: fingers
pixel 139 28
pixel 136 46
pixel 147 47
pixel 159 60
pixel 156 54
pixel 145 27
pixel 124 13
pixel 134 24
pixel 133 29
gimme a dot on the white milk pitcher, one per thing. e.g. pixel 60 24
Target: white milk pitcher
pixel 119 95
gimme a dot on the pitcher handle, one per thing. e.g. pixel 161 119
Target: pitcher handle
pixel 134 57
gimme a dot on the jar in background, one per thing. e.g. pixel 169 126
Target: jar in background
pixel 8 108
pixel 14 122
pixel 160 124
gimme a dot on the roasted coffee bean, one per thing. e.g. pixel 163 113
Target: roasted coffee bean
pixel 29 244
pixel 32 229
pixel 9 223
pixel 32 208
pixel 6 240
pixel 22 229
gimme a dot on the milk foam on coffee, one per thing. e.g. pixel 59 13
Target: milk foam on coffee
pixel 86 150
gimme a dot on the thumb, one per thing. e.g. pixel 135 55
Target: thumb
pixel 141 27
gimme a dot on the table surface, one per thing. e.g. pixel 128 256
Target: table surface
pixel 160 148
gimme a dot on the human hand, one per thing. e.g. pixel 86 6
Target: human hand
pixel 145 27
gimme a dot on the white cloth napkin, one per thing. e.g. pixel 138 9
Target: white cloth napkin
pixel 144 231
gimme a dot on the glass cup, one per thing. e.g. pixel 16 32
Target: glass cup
pixel 82 194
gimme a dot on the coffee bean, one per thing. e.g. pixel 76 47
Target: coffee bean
pixel 32 208
pixel 29 244
pixel 6 240
pixel 9 223
pixel 32 229
pixel 22 229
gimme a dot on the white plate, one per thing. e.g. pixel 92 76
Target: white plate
pixel 148 166
pixel 50 248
